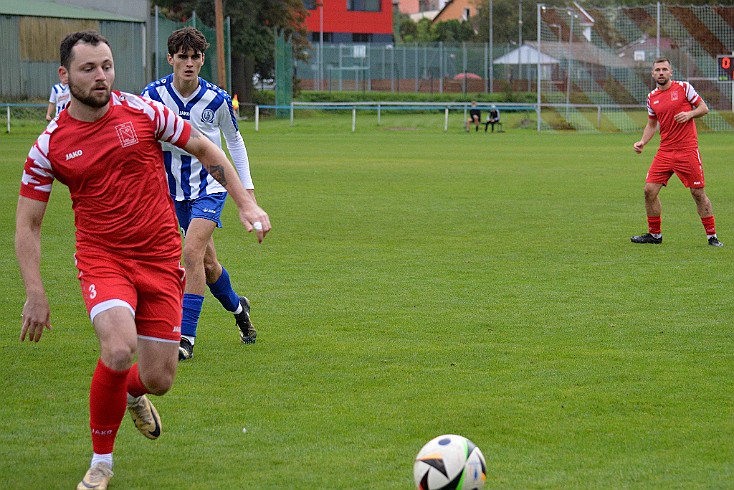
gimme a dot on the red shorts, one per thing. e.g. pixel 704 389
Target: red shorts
pixel 153 291
pixel 686 164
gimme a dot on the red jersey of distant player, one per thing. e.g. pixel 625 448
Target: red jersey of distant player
pixel 108 165
pixel 663 105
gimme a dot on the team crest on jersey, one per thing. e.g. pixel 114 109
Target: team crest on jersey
pixel 674 95
pixel 126 133
pixel 207 116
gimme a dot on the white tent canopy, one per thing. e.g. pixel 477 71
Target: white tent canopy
pixel 525 55
pixel 528 56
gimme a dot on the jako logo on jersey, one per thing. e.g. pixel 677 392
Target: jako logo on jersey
pixel 656 102
pixel 207 116
pixel 73 154
pixel 184 114
pixel 126 133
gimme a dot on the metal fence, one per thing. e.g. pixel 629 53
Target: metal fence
pixel 596 56
pixel 432 68
pixel 162 28
pixel 604 56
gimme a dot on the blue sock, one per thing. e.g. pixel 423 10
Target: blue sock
pixel 192 304
pixel 222 290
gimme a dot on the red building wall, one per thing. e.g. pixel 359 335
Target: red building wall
pixel 338 19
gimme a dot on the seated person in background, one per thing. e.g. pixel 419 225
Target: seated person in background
pixel 475 116
pixel 493 118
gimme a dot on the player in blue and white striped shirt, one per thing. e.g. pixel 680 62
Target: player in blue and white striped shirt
pixel 59 98
pixel 198 197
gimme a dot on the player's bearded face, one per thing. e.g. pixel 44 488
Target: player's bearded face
pixel 91 75
pixel 98 95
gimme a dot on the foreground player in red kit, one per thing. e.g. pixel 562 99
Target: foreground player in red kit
pixel 105 148
pixel 673 106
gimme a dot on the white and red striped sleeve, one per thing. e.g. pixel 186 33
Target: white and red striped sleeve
pixel 38 175
pixel 170 128
pixel 651 113
pixel 691 95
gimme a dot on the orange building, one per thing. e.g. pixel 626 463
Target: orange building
pixel 460 10
pixel 409 6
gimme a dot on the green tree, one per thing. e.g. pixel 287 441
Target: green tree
pixel 454 31
pixel 425 31
pixel 254 24
pixel 506 20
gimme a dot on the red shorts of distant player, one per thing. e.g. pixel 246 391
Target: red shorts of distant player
pixel 686 164
pixel 152 289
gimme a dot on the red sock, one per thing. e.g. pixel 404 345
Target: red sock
pixel 708 224
pixel 107 404
pixel 134 386
pixel 653 224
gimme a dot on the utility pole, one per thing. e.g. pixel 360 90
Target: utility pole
pixel 491 49
pixel 221 71
pixel 519 42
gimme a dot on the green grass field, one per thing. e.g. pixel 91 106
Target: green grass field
pixel 415 283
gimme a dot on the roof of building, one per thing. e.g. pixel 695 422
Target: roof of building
pixel 41 8
pixel 553 51
pixel 526 55
pixel 454 10
pixel 426 14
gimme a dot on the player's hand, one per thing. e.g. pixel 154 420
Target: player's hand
pixel 638 146
pixel 254 218
pixel 682 117
pixel 35 317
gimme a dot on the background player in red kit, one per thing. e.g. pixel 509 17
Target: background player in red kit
pixel 105 148
pixel 673 106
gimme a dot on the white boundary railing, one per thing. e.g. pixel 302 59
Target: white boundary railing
pixel 379 107
pixel 7 111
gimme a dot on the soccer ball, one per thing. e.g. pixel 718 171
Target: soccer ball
pixel 450 462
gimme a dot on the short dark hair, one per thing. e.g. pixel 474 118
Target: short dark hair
pixel 187 38
pixel 88 37
pixel 662 60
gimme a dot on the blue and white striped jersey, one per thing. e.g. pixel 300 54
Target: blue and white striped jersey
pixel 209 110
pixel 60 96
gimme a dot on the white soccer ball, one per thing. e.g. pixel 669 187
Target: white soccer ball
pixel 450 462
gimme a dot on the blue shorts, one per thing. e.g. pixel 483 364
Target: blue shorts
pixel 206 207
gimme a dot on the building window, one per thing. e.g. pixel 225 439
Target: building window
pixel 361 38
pixel 328 37
pixel 467 14
pixel 364 5
pixel 309 4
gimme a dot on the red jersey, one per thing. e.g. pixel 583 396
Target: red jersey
pixel 114 170
pixel 663 105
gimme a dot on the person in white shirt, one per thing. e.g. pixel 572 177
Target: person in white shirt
pixel 59 98
pixel 493 117
pixel 199 198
